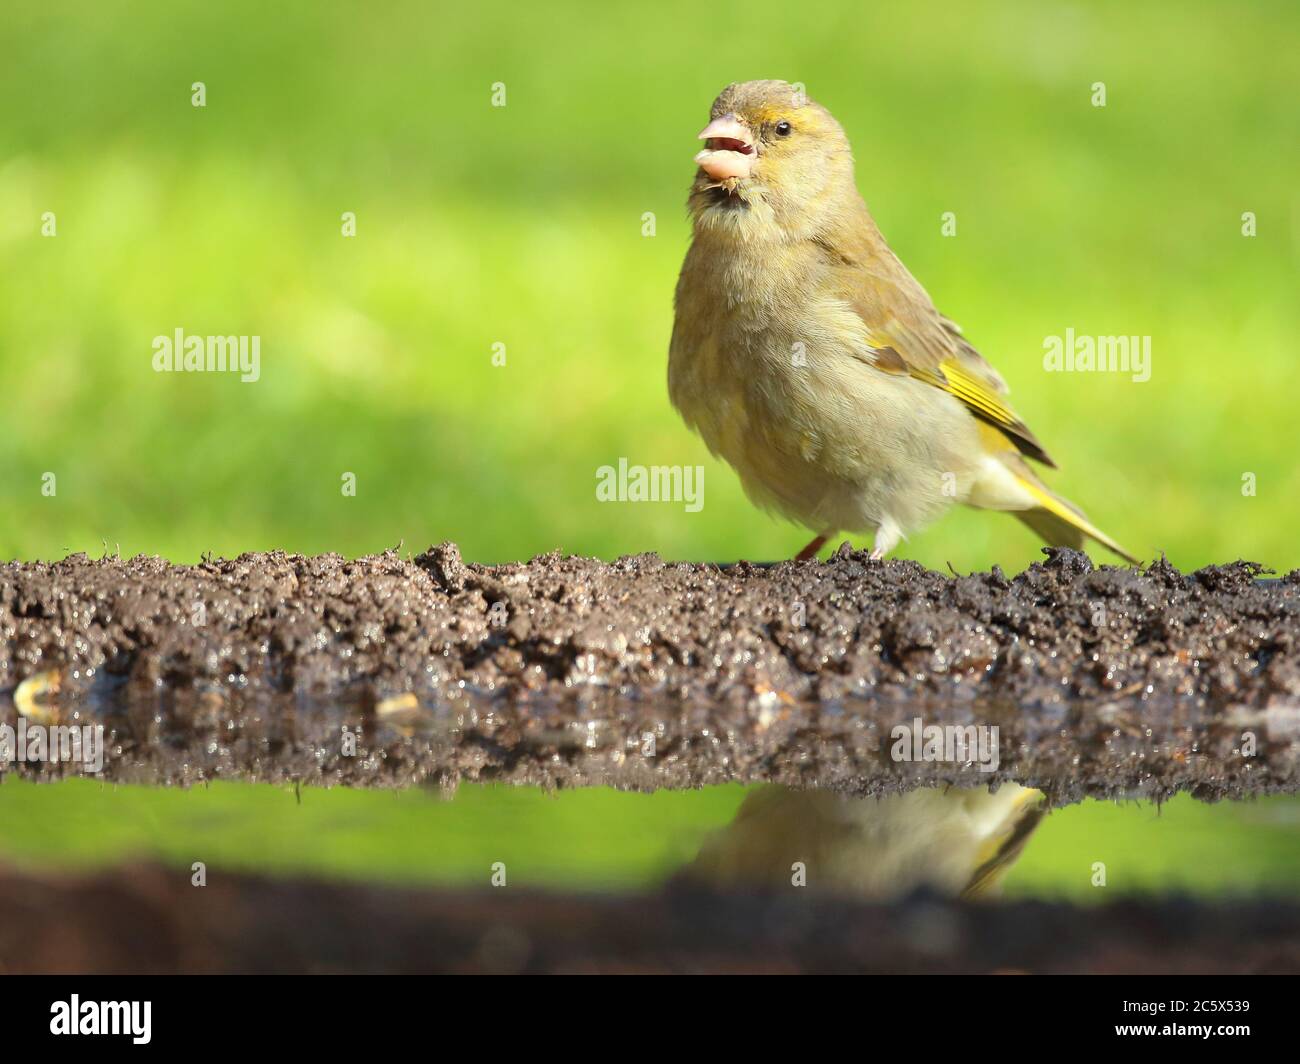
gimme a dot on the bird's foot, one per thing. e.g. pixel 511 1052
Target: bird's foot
pixel 811 550
pixel 887 536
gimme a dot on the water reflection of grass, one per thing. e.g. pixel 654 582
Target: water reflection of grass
pixel 1184 845
pixel 594 838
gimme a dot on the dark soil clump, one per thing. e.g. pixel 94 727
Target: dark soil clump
pixel 645 673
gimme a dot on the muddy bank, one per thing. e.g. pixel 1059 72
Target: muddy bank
pixel 146 919
pixel 390 670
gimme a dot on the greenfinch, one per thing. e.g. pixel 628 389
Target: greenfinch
pixel 810 359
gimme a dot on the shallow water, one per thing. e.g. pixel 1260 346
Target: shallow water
pixel 601 839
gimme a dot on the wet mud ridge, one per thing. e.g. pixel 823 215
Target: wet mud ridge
pixel 250 924
pixel 563 671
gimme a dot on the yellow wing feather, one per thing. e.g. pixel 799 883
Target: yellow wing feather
pixel 986 404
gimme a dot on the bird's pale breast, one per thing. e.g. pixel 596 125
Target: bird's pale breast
pixel 776 378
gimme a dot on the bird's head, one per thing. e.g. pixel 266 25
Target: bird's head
pixel 773 161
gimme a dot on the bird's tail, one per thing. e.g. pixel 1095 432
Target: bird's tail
pixel 1059 522
pixel 1006 482
pixel 1002 849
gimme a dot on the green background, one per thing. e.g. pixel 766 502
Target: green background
pixel 523 225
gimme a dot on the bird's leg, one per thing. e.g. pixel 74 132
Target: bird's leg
pixel 887 536
pixel 811 550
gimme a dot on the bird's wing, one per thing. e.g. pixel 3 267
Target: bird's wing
pixel 908 335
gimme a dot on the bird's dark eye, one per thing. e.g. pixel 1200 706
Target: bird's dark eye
pixel 783 129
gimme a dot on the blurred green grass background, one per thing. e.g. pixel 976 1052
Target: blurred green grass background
pixel 523 225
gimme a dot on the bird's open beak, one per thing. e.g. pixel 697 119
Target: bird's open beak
pixel 729 149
